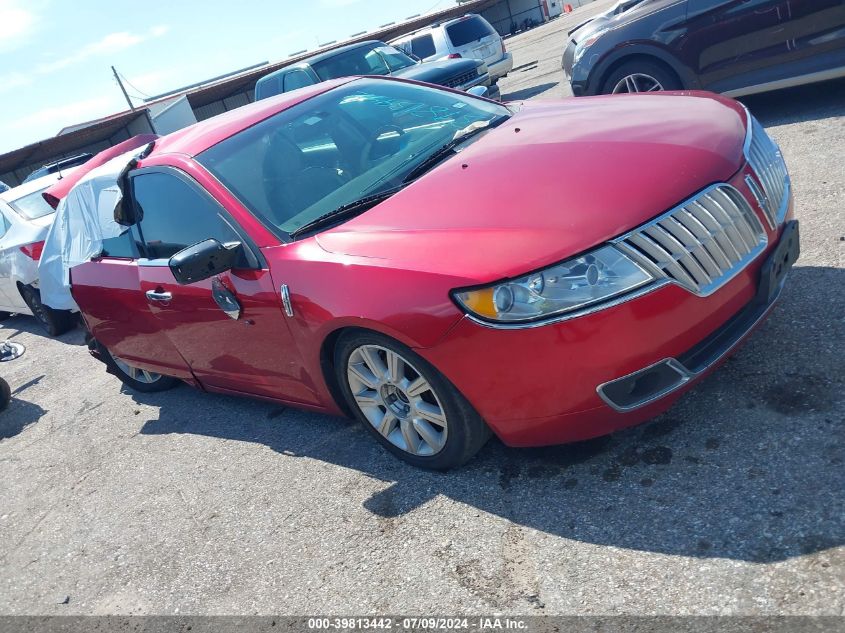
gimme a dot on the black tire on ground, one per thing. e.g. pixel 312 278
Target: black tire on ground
pixel 5 315
pixel 656 70
pixel 5 394
pixel 161 383
pixel 466 432
pixel 55 322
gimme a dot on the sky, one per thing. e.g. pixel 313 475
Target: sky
pixel 55 55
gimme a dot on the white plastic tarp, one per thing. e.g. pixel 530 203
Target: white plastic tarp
pixel 83 220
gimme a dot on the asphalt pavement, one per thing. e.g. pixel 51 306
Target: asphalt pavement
pixel 182 502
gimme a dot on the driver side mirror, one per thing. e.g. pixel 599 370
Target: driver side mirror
pixel 204 260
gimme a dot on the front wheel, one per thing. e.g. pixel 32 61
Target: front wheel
pixel 641 76
pixel 409 406
pixel 136 378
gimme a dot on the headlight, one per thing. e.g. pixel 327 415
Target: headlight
pixel 583 45
pixel 566 287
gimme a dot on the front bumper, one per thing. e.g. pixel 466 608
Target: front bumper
pixel 659 380
pixel 543 385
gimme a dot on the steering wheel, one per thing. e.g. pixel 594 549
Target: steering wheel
pixel 369 146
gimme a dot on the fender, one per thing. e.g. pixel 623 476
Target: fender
pixel 601 69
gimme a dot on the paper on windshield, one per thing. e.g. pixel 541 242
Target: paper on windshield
pixel 83 220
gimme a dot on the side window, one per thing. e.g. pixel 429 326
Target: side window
pixel 4 225
pixel 122 246
pixel 297 79
pixel 423 46
pixel 176 215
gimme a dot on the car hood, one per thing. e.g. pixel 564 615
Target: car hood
pixel 554 180
pixel 438 71
pixel 585 31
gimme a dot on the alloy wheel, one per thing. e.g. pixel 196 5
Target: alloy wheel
pixel 397 400
pixel 637 82
pixel 141 375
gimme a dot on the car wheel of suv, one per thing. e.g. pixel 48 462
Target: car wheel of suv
pixel 56 322
pixel 640 76
pixel 406 403
pixel 136 378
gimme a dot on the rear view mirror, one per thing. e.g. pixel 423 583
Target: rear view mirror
pixel 204 260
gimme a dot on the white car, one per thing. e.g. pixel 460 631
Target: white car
pixel 469 36
pixel 25 218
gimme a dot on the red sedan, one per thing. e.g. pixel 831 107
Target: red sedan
pixel 442 266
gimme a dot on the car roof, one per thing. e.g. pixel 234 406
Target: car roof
pixel 337 51
pixel 36 185
pixel 322 56
pixel 197 138
pixel 437 25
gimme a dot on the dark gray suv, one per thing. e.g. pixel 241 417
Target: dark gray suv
pixel 735 47
pixel 377 58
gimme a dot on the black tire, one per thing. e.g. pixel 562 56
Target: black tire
pixel 5 315
pixel 5 394
pixel 55 322
pixel 161 383
pixel 467 432
pixel 656 70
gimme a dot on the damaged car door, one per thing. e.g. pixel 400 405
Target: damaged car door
pixel 230 328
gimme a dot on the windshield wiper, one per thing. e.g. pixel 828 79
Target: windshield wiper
pixel 449 148
pixel 347 210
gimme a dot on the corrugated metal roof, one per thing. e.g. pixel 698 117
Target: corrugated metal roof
pixel 48 149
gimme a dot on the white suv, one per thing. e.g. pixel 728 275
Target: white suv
pixel 469 36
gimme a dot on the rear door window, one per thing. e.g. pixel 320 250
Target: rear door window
pixel 122 247
pixel 423 46
pixel 468 31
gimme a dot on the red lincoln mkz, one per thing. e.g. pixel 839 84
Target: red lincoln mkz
pixel 443 266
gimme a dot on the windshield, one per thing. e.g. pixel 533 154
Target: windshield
pixel 349 143
pixel 395 58
pixel 32 206
pixel 381 60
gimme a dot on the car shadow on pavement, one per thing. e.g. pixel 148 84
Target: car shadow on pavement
pixel 821 100
pixel 748 466
pixel 528 93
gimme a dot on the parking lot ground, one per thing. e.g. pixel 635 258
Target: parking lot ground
pixel 183 502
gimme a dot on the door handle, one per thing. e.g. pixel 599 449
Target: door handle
pixel 152 295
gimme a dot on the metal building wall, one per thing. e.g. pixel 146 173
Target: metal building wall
pixel 224 105
pixel 507 13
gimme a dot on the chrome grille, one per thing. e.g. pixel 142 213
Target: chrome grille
pixel 700 244
pixel 459 80
pixel 764 156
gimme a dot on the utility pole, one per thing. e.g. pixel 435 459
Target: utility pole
pixel 122 89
